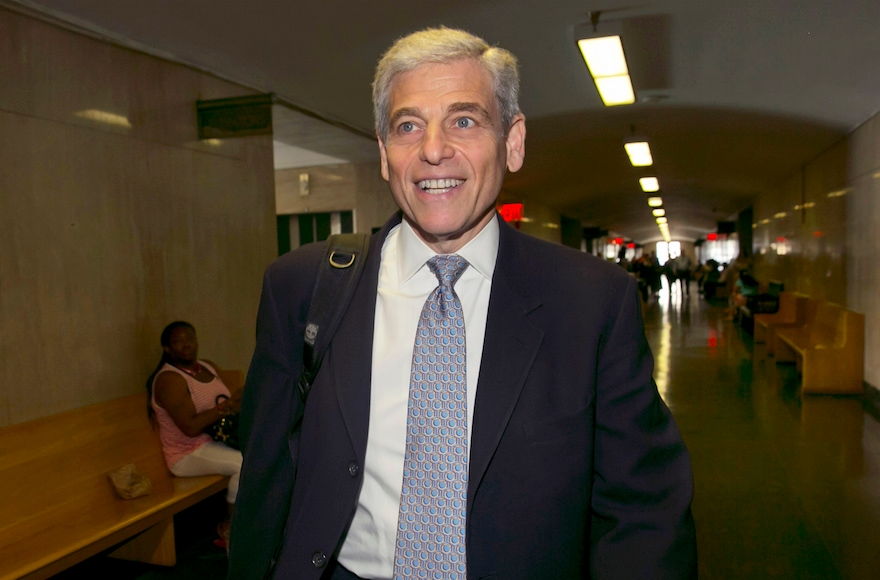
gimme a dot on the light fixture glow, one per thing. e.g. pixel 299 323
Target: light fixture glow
pixel 604 56
pixel 649 184
pixel 661 220
pixel 104 117
pixel 607 65
pixel 659 212
pixel 780 215
pixel 655 201
pixel 615 90
pixel 639 153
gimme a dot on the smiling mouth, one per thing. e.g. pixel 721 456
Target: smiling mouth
pixel 437 186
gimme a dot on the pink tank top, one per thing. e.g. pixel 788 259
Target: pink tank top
pixel 175 443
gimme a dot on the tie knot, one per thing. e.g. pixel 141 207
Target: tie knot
pixel 448 268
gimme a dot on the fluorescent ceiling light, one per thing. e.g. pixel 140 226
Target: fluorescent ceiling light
pixel 780 215
pixel 607 65
pixel 604 56
pixel 639 153
pixel 655 201
pixel 649 184
pixel 661 220
pixel 615 90
pixel 659 212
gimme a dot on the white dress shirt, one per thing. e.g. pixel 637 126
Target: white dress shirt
pixel 405 281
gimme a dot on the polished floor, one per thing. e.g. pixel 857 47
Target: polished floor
pixel 786 486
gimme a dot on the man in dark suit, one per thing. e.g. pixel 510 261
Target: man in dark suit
pixel 555 456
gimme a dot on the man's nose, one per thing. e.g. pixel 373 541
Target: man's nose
pixel 436 146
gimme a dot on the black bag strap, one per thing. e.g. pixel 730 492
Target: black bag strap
pixel 338 275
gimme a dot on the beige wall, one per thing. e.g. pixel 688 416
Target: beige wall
pixel 863 238
pixel 108 232
pixel 831 241
pixel 350 186
pixel 543 222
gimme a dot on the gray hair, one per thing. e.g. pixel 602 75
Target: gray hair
pixel 440 46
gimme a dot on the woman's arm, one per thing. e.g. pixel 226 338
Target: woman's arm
pixel 173 396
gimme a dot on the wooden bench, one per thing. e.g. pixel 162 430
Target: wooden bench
pixel 59 506
pixel 829 351
pixel 792 312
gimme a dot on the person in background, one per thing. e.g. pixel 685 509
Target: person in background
pixel 486 408
pixel 683 267
pixel 186 396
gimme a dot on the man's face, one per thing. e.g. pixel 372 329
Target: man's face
pixel 445 154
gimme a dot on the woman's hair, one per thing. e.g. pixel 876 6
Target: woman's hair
pixel 165 340
pixel 442 46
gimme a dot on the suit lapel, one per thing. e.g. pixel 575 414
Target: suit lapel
pixel 511 345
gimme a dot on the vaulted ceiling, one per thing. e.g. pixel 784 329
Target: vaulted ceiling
pixel 732 96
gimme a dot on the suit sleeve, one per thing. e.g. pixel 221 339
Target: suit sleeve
pixel 641 522
pixel 269 400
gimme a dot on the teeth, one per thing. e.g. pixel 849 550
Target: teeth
pixel 439 185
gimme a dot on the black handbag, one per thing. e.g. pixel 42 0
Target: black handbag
pixel 225 429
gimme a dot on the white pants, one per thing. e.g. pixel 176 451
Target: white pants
pixel 211 458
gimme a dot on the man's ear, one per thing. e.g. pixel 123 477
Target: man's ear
pixel 383 158
pixel 516 143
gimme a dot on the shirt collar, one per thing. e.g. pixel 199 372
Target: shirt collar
pixel 481 252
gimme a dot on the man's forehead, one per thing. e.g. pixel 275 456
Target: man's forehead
pixel 461 85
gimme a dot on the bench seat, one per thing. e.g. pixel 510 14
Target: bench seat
pixel 829 351
pixel 792 312
pixel 59 506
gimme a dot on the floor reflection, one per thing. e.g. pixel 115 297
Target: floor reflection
pixel 786 486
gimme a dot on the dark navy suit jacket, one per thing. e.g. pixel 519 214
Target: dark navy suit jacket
pixel 577 468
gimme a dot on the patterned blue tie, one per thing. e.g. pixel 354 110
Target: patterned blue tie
pixel 431 524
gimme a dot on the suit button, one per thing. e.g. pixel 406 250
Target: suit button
pixel 319 559
pixel 353 469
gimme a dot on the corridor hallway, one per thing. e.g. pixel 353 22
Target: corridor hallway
pixel 785 486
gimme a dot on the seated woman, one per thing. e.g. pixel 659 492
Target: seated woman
pixel 185 397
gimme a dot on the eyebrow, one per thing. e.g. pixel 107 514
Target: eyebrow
pixel 471 108
pixel 405 112
pixel 462 107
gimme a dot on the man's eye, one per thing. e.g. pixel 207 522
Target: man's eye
pixel 407 127
pixel 464 123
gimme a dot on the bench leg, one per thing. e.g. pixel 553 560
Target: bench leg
pixel 153 546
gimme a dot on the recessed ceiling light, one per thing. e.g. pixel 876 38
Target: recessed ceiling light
pixel 659 212
pixel 661 220
pixel 655 201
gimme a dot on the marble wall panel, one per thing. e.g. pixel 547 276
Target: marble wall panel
pixel 110 232
pixel 832 232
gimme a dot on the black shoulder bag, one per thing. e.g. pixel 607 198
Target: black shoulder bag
pixel 338 275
